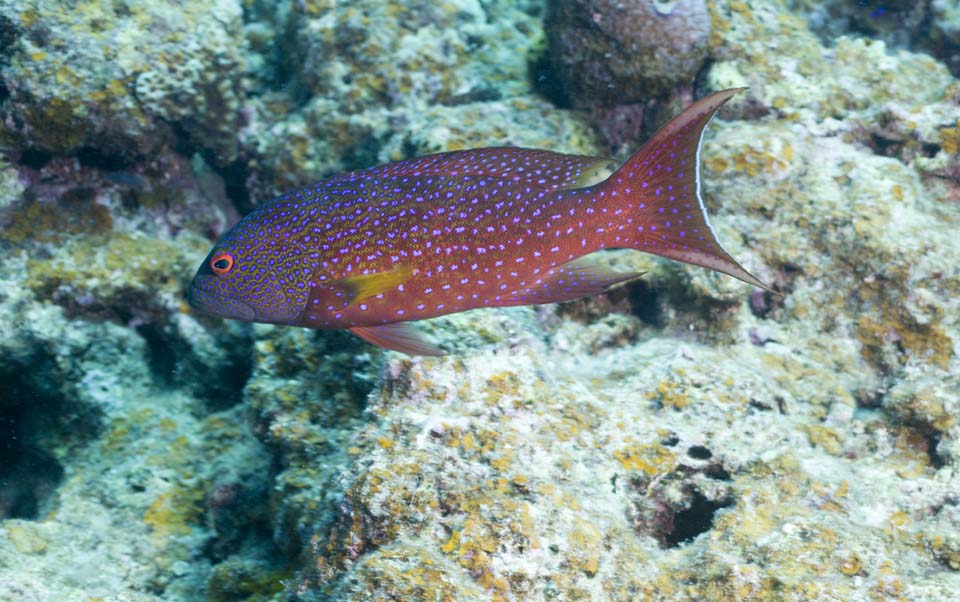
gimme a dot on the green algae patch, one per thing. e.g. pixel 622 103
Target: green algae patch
pixel 175 513
pixel 670 394
pixel 25 537
pixel 824 437
pixel 97 78
pixel 76 215
pixel 586 543
pixel 927 342
pixel 113 277
pixel 409 570
pixel 235 579
pixel 56 124
pixel 650 458
pixel 902 325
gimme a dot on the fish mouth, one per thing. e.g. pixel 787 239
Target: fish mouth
pixel 210 301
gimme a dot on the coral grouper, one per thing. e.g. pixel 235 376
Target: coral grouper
pixel 371 250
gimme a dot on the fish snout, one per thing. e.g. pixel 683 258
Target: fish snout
pixel 206 297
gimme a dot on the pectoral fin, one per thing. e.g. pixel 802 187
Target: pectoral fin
pixel 359 287
pixel 400 336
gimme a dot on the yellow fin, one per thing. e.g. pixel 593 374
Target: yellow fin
pixel 599 170
pixel 362 286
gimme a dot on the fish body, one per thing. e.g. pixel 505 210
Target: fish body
pixel 373 249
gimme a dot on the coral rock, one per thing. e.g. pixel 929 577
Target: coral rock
pixel 610 52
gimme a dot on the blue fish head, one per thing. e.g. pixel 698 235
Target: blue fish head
pixel 252 277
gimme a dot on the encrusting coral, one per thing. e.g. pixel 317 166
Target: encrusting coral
pixel 682 438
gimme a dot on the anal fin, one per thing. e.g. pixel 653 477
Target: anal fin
pixel 575 279
pixel 399 336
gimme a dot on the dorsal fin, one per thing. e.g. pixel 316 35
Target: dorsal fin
pixel 537 168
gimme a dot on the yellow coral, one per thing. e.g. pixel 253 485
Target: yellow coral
pixel 651 458
pixel 174 512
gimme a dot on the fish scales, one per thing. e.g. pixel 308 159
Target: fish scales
pixel 372 249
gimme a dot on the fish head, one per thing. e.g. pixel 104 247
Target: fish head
pixel 253 273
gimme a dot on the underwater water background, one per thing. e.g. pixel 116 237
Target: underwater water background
pixel 682 437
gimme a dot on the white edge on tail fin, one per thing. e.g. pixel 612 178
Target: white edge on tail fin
pixel 753 280
pixel 703 207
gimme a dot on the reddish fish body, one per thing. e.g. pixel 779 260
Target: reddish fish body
pixel 372 249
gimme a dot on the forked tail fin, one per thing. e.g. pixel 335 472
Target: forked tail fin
pixel 659 189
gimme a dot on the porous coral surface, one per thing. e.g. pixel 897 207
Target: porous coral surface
pixel 683 437
pixel 615 52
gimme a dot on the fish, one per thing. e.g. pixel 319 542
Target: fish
pixel 374 250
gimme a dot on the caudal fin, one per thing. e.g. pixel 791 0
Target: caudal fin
pixel 660 189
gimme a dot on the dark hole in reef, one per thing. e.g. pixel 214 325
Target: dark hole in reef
pixel 933 440
pixel 4 92
pixel 929 150
pixel 474 42
pixel 248 577
pixel 410 149
pixel 884 146
pixel 234 174
pixel 9 32
pixel 120 9
pixel 645 303
pixel 239 513
pixel 670 441
pixel 35 158
pixel 692 521
pixel 717 472
pixel 29 475
pixel 761 303
pixel 699 452
pixel 182 142
pixel 174 364
pixel 364 153
pixel 160 357
pixel 235 185
pixel 228 391
pixel 892 22
pixel 39 35
pixel 546 81
pixel 98 158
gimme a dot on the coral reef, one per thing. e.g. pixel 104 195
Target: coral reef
pixel 115 84
pixel 371 82
pixel 321 139
pixel 930 27
pixel 944 35
pixel 738 448
pixel 546 472
pixel 681 438
pixel 122 468
pixel 614 52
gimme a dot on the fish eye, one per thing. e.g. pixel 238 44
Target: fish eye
pixel 222 263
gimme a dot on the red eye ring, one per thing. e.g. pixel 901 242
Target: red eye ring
pixel 222 263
